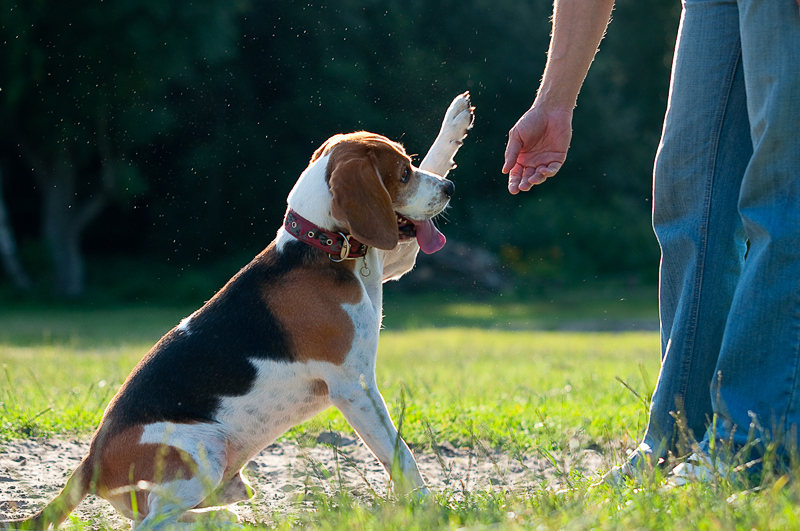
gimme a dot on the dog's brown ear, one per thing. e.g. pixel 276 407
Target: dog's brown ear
pixel 361 201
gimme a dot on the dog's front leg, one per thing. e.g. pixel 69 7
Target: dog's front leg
pixel 362 405
pixel 440 160
pixel 455 126
pixel 399 260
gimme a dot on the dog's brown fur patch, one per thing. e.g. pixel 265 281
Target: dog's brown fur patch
pixel 125 461
pixel 309 306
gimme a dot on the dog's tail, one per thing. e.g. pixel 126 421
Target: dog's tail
pixel 77 487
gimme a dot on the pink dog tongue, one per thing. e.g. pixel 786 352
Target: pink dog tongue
pixel 429 238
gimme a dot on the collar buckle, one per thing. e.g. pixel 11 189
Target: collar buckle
pixel 343 254
pixel 324 240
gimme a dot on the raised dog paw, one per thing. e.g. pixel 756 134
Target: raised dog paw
pixel 456 124
pixel 459 118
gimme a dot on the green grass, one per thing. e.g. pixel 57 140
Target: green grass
pixel 612 307
pixel 511 384
pixel 62 366
pixel 537 391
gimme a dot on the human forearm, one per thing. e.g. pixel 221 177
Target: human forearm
pixel 578 28
pixel 539 141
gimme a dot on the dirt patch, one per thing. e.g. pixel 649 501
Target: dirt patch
pixel 286 476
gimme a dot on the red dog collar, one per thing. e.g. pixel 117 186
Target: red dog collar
pixel 336 244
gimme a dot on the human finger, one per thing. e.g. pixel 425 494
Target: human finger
pixel 551 169
pixel 513 148
pixel 514 179
pixel 532 176
pixel 524 183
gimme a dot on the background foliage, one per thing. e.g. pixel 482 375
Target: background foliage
pixel 177 128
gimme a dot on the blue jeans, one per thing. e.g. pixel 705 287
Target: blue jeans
pixel 726 211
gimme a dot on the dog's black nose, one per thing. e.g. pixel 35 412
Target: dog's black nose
pixel 449 188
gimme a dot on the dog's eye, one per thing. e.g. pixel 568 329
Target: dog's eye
pixel 406 175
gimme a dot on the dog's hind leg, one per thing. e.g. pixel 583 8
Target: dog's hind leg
pixel 202 453
pixel 214 507
pixel 236 489
pixel 169 502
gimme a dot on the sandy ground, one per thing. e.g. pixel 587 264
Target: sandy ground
pixel 33 471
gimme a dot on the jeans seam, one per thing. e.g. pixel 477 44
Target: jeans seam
pixel 702 250
pixel 793 388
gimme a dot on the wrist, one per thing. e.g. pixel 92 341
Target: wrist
pixel 551 105
pixel 554 98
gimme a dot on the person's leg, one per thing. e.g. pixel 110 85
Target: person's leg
pixel 702 156
pixel 758 373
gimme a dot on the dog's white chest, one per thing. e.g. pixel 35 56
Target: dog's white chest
pixel 285 394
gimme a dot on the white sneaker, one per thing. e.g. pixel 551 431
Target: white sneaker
pixel 698 468
pixel 639 465
pixel 638 472
pixel 618 475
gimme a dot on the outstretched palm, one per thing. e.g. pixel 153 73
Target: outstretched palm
pixel 537 147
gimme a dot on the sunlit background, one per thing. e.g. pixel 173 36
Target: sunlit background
pixel 147 146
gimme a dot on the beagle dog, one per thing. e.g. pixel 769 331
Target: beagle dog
pixel 292 333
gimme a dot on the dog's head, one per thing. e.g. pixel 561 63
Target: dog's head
pixel 379 196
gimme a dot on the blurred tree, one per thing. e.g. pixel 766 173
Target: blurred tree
pixel 84 84
pixel 8 248
pixel 201 115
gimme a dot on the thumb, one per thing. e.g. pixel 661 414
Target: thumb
pixel 512 150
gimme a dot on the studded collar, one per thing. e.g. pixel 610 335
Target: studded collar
pixel 337 244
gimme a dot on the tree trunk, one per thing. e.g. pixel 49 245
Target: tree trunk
pixel 64 217
pixel 58 228
pixel 8 249
pixel 64 221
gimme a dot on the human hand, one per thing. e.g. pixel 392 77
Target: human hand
pixel 537 147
